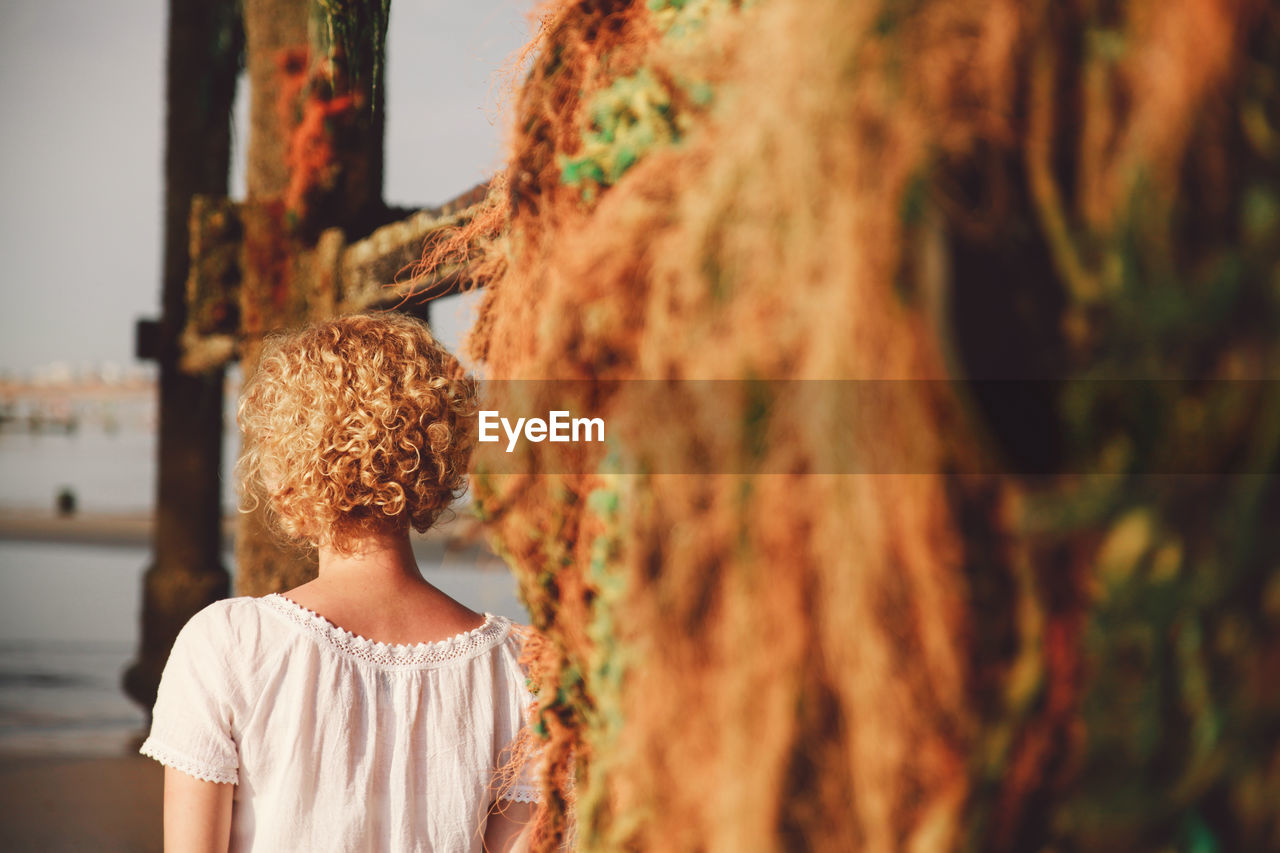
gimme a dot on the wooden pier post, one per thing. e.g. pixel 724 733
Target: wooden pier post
pixel 187 572
pixel 312 239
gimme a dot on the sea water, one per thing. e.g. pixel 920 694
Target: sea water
pixel 108 461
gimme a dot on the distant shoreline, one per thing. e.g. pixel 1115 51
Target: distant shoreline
pixel 136 529
pixel 140 387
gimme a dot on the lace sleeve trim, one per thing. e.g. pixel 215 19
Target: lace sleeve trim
pixel 521 795
pixel 201 770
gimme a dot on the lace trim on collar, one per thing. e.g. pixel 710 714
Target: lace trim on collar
pixel 458 647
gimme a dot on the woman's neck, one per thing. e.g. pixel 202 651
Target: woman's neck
pixel 379 559
pixel 378 592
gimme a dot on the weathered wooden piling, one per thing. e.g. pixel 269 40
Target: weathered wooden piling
pixel 205 37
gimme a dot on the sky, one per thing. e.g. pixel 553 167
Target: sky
pixel 82 96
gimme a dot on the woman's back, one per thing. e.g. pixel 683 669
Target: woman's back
pixel 338 742
pixel 354 431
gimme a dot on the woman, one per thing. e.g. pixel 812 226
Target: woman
pixel 364 710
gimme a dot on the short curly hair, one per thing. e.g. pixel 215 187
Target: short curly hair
pixel 356 426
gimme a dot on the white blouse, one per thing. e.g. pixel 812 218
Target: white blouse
pixel 337 742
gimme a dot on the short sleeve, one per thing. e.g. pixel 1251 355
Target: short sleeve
pixel 520 754
pixel 191 724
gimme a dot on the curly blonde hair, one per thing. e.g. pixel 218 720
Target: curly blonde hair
pixel 359 425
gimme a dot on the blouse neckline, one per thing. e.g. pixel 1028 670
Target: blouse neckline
pixel 467 644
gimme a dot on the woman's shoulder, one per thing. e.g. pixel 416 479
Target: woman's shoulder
pixel 225 611
pixel 516 636
pixel 519 645
pixel 226 621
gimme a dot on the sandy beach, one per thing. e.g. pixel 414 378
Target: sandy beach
pixel 66 803
pixel 92 528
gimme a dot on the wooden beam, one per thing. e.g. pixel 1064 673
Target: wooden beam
pixel 369 274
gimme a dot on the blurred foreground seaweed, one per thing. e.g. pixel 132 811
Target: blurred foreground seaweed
pixel 1063 631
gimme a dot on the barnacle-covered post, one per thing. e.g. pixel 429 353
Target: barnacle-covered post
pixel 314 182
